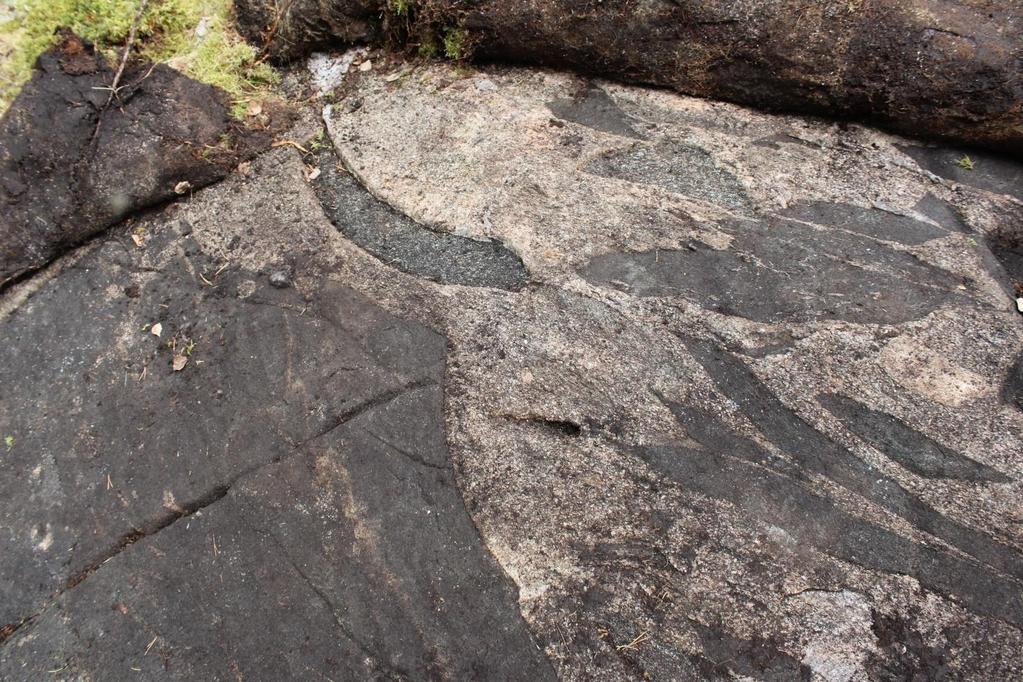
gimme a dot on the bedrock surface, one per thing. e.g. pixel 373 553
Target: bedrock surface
pixel 526 376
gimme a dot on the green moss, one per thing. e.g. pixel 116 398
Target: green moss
pixel 966 162
pixel 318 141
pixel 456 43
pixel 193 36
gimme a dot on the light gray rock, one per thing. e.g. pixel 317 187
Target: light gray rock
pixel 648 438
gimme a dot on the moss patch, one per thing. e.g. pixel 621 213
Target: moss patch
pixel 193 36
pixel 456 44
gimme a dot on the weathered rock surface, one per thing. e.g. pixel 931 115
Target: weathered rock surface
pixel 924 67
pixel 283 506
pixel 402 243
pixel 70 166
pixel 748 419
pixel 565 379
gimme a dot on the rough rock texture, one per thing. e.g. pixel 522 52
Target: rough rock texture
pixel 407 245
pixel 283 506
pixel 294 27
pixel 566 379
pixel 748 419
pixel 925 67
pixel 70 166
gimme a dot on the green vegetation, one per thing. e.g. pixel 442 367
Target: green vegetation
pixel 193 36
pixel 9 442
pixel 966 162
pixel 456 43
pixel 428 48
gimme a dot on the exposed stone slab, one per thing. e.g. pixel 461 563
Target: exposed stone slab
pixel 284 505
pixel 377 466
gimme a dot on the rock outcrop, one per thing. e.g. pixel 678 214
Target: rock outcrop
pixel 930 68
pixel 517 375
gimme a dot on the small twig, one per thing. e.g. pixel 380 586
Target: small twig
pixel 634 644
pixel 292 143
pixel 127 51
pixel 115 85
pixel 141 80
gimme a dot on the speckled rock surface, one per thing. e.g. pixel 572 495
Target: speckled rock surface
pixel 749 416
pixel 531 377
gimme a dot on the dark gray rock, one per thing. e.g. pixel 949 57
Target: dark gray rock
pixel 906 445
pixel 868 222
pixel 984 171
pixel 70 166
pixel 593 108
pixel 779 270
pixel 677 167
pixel 1012 392
pixel 283 505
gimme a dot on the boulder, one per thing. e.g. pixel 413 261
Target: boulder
pixel 927 68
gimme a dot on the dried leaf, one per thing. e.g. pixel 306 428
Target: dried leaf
pixel 366 65
pixel 157 329
pixel 137 238
pixel 179 362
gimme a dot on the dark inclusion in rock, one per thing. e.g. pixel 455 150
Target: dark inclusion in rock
pixel 283 508
pixel 403 243
pixel 989 172
pixel 867 221
pixel 777 491
pixel 676 167
pixel 779 270
pixel 906 445
pixel 1012 392
pixel 594 108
